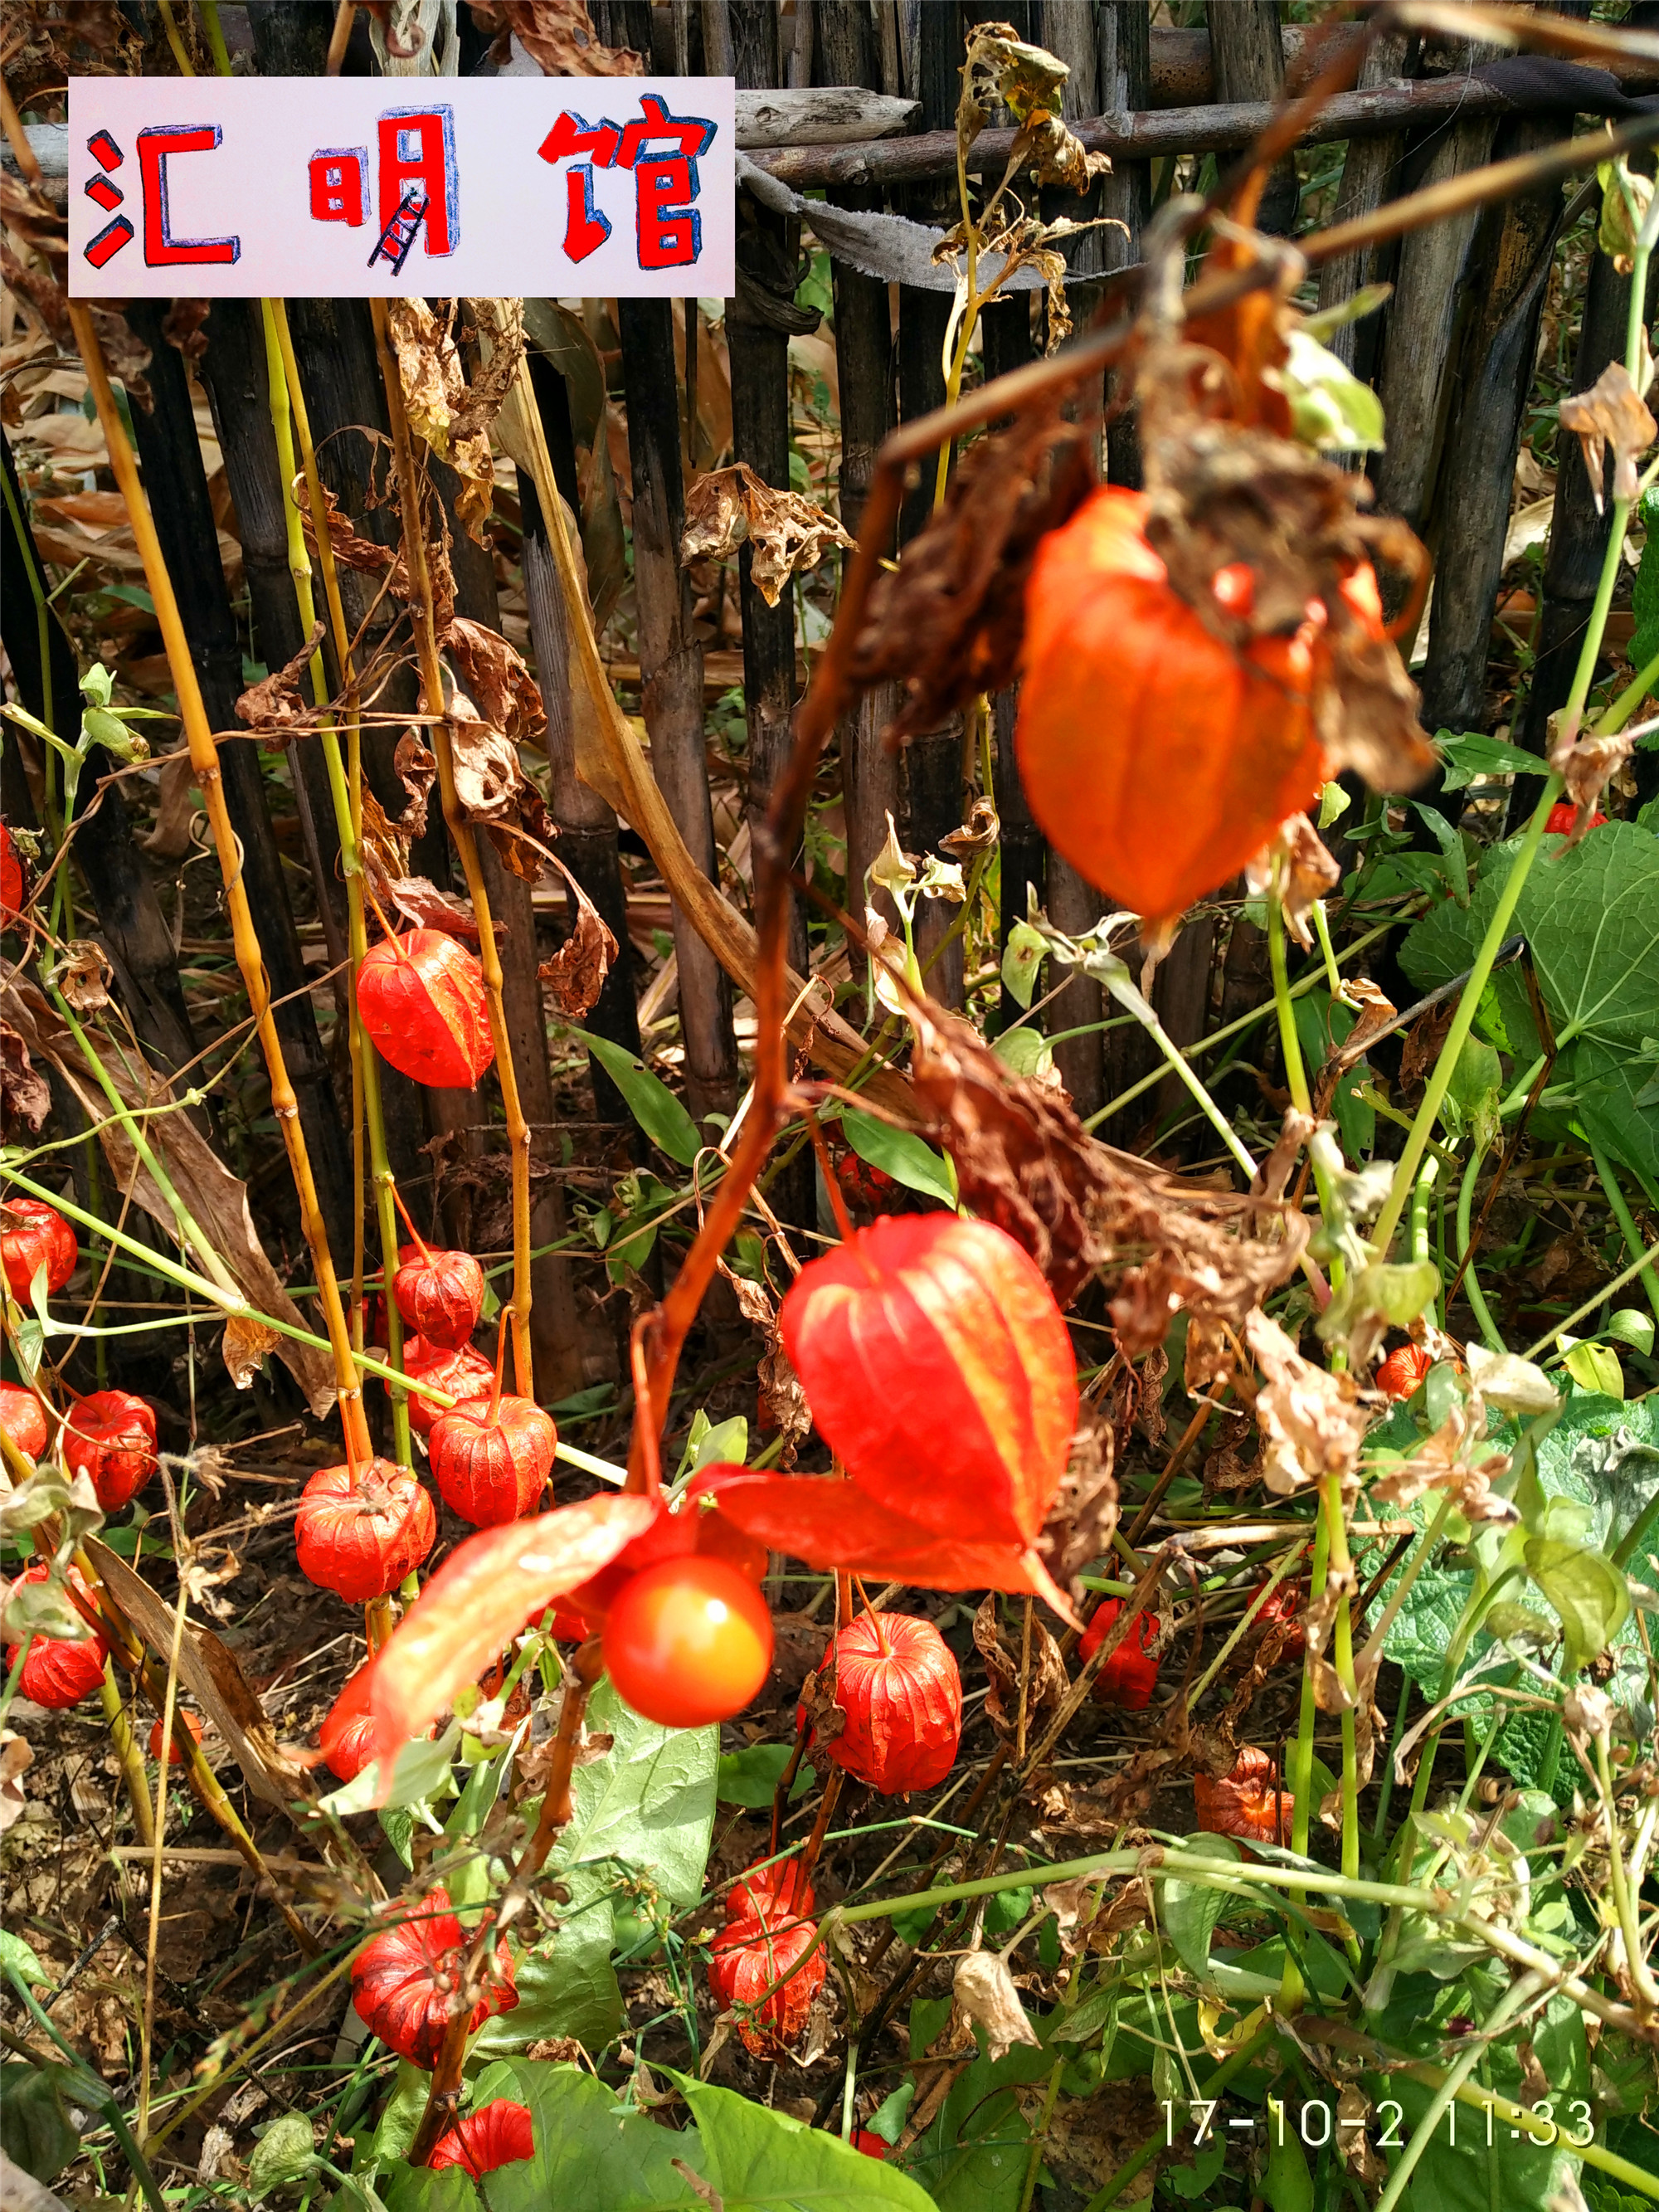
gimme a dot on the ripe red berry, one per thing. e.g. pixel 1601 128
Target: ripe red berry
pixel 181 1721
pixel 748 1961
pixel 422 1000
pixel 688 1642
pixel 59 1672
pixel 109 1437
pixel 939 1367
pixel 1403 1370
pixel 1130 1675
pixel 439 1294
pixel 897 1681
pixel 1245 1803
pixel 23 1418
pixel 497 2134
pixel 466 1375
pixel 1563 815
pixel 359 1533
pixel 403 1982
pixel 491 1463
pixel 35 1235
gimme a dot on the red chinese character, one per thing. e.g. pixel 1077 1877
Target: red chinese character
pixel 670 231
pixel 586 228
pixel 162 249
pixel 417 146
pixel 339 185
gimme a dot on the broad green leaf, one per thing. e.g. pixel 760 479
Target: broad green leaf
pixel 19 1956
pixel 1644 593
pixel 588 2151
pixel 1322 1025
pixel 1026 1051
pixel 756 2160
pixel 286 2150
pixel 649 1100
pixel 1330 409
pixel 400 2116
pixel 1471 754
pixel 1588 1593
pixel 1631 1326
pixel 36 2132
pixel 1196 2181
pixel 414 2189
pixel 887 2120
pixel 973 2154
pixel 420 1769
pixel 1021 960
pixel 750 1777
pixel 1191 1910
pixel 900 1153
pixel 1287 2184
pixel 1595 1367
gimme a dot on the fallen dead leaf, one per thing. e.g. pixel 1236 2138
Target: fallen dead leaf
pixel 786 532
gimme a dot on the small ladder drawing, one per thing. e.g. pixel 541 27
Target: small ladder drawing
pixel 398 236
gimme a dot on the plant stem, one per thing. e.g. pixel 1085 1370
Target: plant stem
pixel 1472 1290
pixel 1301 1777
pixel 1622 1215
pixel 288 419
pixel 205 762
pixel 1341 1567
pixel 1516 2000
pixel 431 686
pixel 1636 1965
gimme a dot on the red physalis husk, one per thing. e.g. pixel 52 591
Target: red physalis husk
pixel 23 1418
pixel 782 1890
pixel 831 1524
pixel 347 1735
pixel 11 874
pixel 422 998
pixel 404 1980
pixel 689 1523
pixel 1207 747
pixel 1401 1373
pixel 359 1533
pixel 1130 1675
pixel 897 1680
pixel 499 2133
pixel 751 1957
pixel 493 1470
pixel 59 1672
pixel 465 1373
pixel 1246 1802
pixel 439 1294
pixel 938 1368
pixel 37 1235
pixel 109 1437
pixel 181 1721
pixel 484 1593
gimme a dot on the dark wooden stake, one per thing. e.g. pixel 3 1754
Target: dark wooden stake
pixel 671 668
pixel 1246 54
pixel 1371 172
pixel 175 482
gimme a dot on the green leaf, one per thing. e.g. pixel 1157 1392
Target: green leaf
pixel 1026 1051
pixel 1287 2184
pixel 900 1153
pixel 285 2152
pixel 1004 1910
pixel 1588 1592
pixel 588 2150
pixel 19 1956
pixel 1021 960
pixel 1192 1910
pixel 1330 409
pixel 415 2188
pixel 1631 1326
pixel 1471 754
pixel 648 1099
pixel 973 2154
pixel 1196 2179
pixel 887 2120
pixel 760 2160
pixel 419 1771
pixel 1595 1367
pixel 36 2132
pixel 750 1777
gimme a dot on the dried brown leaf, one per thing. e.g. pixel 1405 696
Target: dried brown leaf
pixel 247 1343
pixel 1081 1520
pixel 986 1997
pixel 785 532
pixel 273 708
pixel 1311 1421
pixel 494 792
pixel 1047 1682
pixel 84 976
pixel 496 680
pixel 25 1094
pixel 498 327
pixel 558 35
pixel 364 555
pixel 182 327
pixel 950 621
pixel 436 401
pixel 1612 413
pixel 17 1757
pixel 1297 854
pixel 418 771
pixel 1586 764
pixel 576 973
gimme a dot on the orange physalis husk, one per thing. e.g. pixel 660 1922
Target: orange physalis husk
pixel 23 1418
pixel 59 1671
pixel 499 2133
pixel 1245 1803
pixel 422 1000
pixel 1158 758
pixel 897 1680
pixel 748 1961
pixel 440 1294
pixel 359 1533
pixel 37 1235
pixel 403 1982
pixel 1130 1675
pixel 109 1437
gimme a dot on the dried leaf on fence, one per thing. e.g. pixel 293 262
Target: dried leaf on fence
pixel 787 532
pixel 1046 1680
pixel 576 973
pixel 364 555
pixel 182 327
pixel 558 35
pixel 273 708
pixel 247 1342
pixel 499 328
pixel 497 679
pixel 494 793
pixel 422 905
pixel 1586 765
pixel 1611 413
pixel 985 1997
pixel 215 1197
pixel 950 621
pixel 435 399
pixel 25 1094
pixel 418 771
